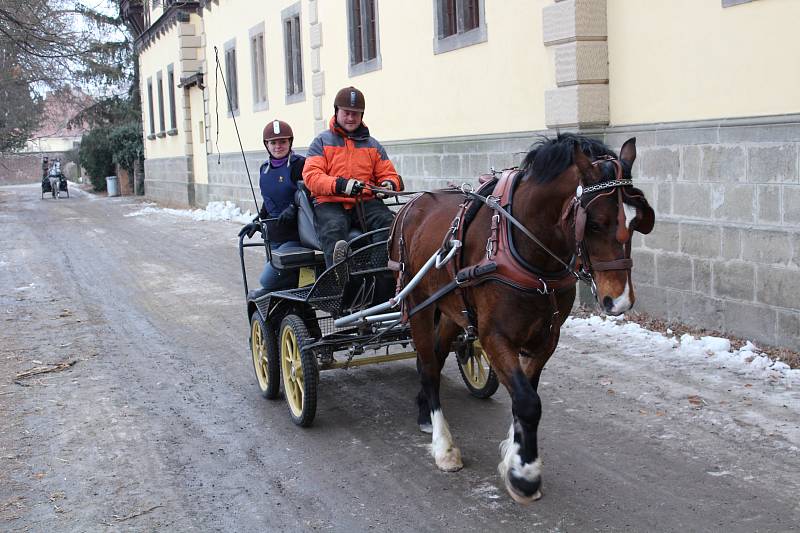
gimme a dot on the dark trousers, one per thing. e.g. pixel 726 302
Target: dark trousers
pixel 334 222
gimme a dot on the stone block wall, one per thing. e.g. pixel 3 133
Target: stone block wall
pixel 170 181
pixel 725 251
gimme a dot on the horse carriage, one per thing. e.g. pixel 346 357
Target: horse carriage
pixel 53 180
pixel 333 319
pixel 494 286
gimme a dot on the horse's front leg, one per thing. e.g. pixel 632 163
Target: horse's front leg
pixel 430 360
pixel 520 465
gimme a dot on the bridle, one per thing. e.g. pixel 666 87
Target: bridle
pixel 576 213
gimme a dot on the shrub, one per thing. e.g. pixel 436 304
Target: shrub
pixel 126 140
pixel 97 156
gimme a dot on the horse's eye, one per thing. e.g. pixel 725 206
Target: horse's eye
pixel 593 226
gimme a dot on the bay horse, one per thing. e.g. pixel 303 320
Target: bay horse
pixel 575 197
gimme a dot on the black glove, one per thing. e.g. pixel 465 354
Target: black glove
pixel 288 215
pixel 250 229
pixel 348 187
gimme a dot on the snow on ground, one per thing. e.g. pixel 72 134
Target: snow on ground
pixel 635 340
pixel 214 211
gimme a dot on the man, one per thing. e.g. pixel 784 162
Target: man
pixel 344 163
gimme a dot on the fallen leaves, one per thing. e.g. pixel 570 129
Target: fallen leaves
pixel 696 401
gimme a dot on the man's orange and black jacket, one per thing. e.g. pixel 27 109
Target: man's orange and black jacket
pixel 334 153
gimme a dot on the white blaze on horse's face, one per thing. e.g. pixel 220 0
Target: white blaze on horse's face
pixel 630 214
pixel 622 302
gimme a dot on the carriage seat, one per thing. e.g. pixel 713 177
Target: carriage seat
pixel 306 226
pixel 310 253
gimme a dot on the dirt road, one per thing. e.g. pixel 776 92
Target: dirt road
pixel 159 425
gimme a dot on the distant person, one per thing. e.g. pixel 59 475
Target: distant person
pixel 278 182
pixel 342 161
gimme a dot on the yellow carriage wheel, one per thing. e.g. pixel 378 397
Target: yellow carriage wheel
pixel 477 373
pixel 264 350
pixel 299 370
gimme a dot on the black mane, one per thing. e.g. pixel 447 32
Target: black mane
pixel 548 158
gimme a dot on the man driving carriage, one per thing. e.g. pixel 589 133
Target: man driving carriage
pixel 344 163
pixel 278 179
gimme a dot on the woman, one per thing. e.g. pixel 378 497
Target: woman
pixel 278 183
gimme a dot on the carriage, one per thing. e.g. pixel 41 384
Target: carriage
pixel 495 286
pixel 336 318
pixel 52 175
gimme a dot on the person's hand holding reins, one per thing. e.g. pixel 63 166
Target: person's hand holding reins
pixel 349 187
pixel 385 184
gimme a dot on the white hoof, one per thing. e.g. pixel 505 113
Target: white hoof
pixel 426 428
pixel 449 461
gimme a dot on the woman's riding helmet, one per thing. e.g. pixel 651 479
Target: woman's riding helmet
pixel 277 129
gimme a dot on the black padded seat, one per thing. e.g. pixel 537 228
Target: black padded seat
pixel 296 256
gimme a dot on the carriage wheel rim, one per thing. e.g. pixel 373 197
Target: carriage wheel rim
pixel 259 352
pixel 292 370
pixel 477 368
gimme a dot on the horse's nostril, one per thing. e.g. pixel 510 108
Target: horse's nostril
pixel 608 303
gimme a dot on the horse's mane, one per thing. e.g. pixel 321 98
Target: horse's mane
pixel 548 158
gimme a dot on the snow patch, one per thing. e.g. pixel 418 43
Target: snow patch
pixel 637 341
pixel 214 211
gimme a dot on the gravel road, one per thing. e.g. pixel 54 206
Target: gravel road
pixel 158 425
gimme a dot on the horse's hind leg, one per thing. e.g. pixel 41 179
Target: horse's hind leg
pixel 432 349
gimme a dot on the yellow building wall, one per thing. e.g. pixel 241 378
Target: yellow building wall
pixel 493 87
pixel 158 55
pixel 693 59
pixel 234 19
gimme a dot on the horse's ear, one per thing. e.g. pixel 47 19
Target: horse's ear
pixel 585 168
pixel 628 151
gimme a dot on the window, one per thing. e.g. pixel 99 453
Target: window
pixel 459 23
pixel 173 121
pixel 293 55
pixel 231 77
pixel 258 68
pixel 362 21
pixel 160 88
pixel 150 109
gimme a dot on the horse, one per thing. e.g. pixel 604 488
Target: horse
pixel 55 177
pixel 576 205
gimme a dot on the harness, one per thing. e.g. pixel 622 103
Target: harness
pixel 501 263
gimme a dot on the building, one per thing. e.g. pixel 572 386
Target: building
pixel 708 87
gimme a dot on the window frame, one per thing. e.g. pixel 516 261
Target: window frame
pixel 162 132
pixel 231 77
pixel 258 69
pixel 293 54
pixel 150 107
pixel 363 66
pixel 462 38
pixel 173 118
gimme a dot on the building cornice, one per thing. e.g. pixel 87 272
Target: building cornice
pixel 174 13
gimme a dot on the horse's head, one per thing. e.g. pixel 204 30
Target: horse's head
pixel 608 209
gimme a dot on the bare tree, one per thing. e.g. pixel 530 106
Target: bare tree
pixel 52 44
